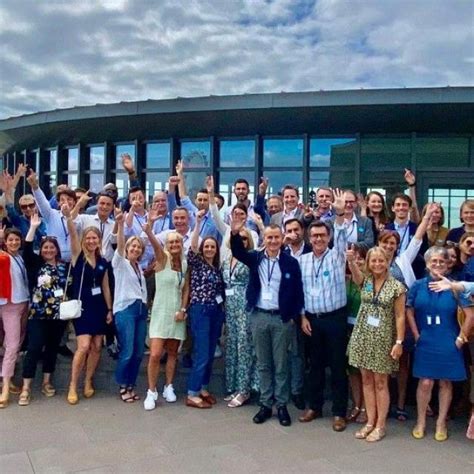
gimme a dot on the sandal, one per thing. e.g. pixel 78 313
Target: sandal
pixel 353 415
pixel 89 390
pixel 418 433
pixel 377 434
pixel 229 397
pixel 72 396
pixel 125 395
pixel 401 414
pixel 362 418
pixel 48 390
pixel 364 432
pixel 238 400
pixel 3 402
pixel 25 397
pixel 132 393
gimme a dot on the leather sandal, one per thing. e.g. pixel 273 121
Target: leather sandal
pixel 209 398
pixel 48 390
pixel 72 396
pixel 418 433
pixel 25 397
pixel 376 434
pixel 238 400
pixel 364 432
pixel 353 415
pixel 197 404
pixel 3 402
pixel 362 418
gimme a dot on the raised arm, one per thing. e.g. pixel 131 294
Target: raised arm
pixel 35 222
pixel 410 179
pixel 221 226
pixel 160 255
pixel 119 222
pixel 423 226
pixel 73 235
pixel 356 272
pixel 181 183
pixel 43 204
pixel 195 235
pixel 80 204
pixel 20 172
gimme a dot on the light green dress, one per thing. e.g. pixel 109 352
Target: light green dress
pixel 169 285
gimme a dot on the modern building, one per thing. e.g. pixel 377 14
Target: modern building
pixel 359 139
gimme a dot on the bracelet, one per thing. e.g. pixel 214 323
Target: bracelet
pixel 109 310
pixel 461 339
pixel 398 342
pixel 183 310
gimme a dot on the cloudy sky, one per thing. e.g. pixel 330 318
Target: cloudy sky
pixel 56 54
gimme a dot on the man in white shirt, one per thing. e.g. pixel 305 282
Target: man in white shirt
pixel 54 219
pixel 180 221
pixel 324 317
pixel 291 210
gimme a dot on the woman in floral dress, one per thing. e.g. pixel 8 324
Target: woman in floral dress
pixel 47 278
pixel 240 359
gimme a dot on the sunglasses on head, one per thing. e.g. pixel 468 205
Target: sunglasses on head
pixel 28 206
pixel 49 237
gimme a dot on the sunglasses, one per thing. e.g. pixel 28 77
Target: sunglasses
pixel 27 206
pixel 49 237
pixel 469 242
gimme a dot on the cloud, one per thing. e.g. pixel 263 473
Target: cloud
pixel 60 54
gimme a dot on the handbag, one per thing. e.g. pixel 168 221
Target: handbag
pixel 71 309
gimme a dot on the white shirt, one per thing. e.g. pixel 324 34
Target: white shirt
pixel 299 252
pixel 106 228
pixel 406 258
pixel 351 229
pixel 56 224
pixel 270 279
pixel 129 286
pixel 19 279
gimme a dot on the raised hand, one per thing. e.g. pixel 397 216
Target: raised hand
pixel 263 186
pixel 32 179
pixel 236 226
pixel 84 199
pixel 35 220
pixel 127 163
pixel 147 227
pixel 174 180
pixel 351 254
pixel 410 178
pixel 118 215
pixel 339 203
pixel 210 184
pixel 179 168
pixel 200 216
pixel 21 170
pixel 361 202
pixel 308 212
pixel 66 211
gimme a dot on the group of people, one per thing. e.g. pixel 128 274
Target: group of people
pixel 290 289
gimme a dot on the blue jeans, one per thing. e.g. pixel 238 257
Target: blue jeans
pixel 206 326
pixel 131 334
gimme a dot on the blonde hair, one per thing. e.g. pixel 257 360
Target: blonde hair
pixel 129 242
pixel 95 230
pixel 379 251
pixel 174 234
pixel 249 239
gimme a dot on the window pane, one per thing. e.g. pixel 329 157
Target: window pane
pixel 158 155
pixel 318 179
pixel 325 152
pixel 72 180
pixel 237 153
pixel 156 182
pixel 379 153
pixel 121 181
pixel 53 160
pixel 97 158
pixel 195 180
pixel 226 184
pixel 432 152
pixel 283 152
pixel 195 154
pixel 277 180
pixel 451 199
pixel 73 159
pixel 96 182
pixel 341 179
pixel 122 149
pixel 53 181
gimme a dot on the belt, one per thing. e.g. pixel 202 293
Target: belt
pixel 268 311
pixel 323 315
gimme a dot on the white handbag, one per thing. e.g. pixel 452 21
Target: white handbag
pixel 71 309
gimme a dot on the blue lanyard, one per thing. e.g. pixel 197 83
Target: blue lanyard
pixel 203 225
pixel 402 239
pixel 316 273
pixel 270 272
pixel 139 219
pixel 66 233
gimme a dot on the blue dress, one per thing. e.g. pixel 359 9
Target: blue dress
pixel 436 354
pixel 94 308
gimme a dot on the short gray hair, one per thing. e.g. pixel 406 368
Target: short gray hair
pixel 432 251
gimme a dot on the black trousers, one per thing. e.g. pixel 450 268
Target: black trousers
pixel 47 334
pixel 328 344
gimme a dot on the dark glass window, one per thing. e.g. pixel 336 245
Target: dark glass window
pixel 72 159
pixel 195 154
pixel 442 152
pixel 325 152
pixel 157 155
pixel 97 158
pixel 226 185
pixel 379 153
pixel 282 152
pixel 278 179
pixel 121 178
pixel 156 181
pixel 237 153
pixel 451 199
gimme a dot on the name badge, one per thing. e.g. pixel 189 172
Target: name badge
pixel 313 291
pixel 96 291
pixel 229 292
pixel 437 320
pixel 351 320
pixel 428 320
pixel 373 321
pixel 219 299
pixel 58 293
pixel 266 295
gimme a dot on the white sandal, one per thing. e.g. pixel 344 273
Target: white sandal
pixel 238 400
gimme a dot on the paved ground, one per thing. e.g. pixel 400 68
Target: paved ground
pixel 105 435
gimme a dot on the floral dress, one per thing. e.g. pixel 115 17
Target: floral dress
pixel 48 291
pixel 240 359
pixel 374 332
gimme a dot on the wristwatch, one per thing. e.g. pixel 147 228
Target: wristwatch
pixel 399 342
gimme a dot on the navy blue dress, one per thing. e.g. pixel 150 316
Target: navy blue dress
pixel 94 308
pixel 436 354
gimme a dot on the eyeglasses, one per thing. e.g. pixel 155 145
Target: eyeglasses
pixel 28 206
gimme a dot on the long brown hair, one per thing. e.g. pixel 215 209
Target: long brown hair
pixel 98 250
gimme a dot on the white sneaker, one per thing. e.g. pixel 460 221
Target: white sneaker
pixel 168 393
pixel 150 400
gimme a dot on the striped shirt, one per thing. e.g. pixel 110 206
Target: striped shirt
pixel 324 283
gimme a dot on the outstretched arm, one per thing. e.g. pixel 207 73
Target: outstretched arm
pixel 160 255
pixel 71 228
pixel 410 179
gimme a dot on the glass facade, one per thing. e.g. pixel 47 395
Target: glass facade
pixel 281 152
pixel 121 178
pixel 97 165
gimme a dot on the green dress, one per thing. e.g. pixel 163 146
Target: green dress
pixel 374 333
pixel 169 286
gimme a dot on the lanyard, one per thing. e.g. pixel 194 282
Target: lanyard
pixel 139 219
pixel 180 278
pixel 203 225
pixel 21 266
pixel 163 222
pixel 316 273
pixel 403 238
pixel 102 228
pixel 232 270
pixel 270 272
pixel 353 223
pixel 138 274
pixel 66 233
pixel 376 296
